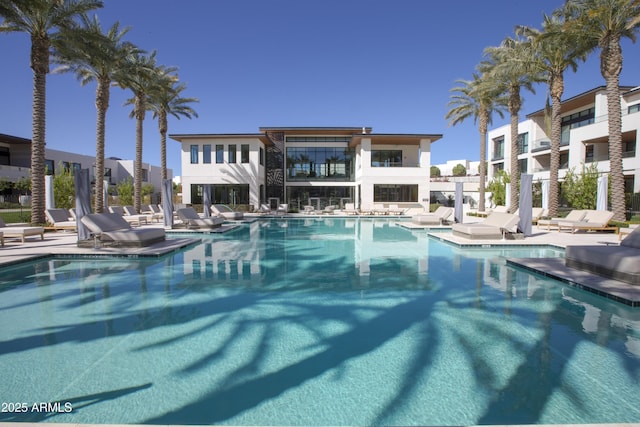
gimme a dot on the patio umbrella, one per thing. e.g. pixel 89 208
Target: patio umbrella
pixel 206 200
pixel 167 202
pixel 602 196
pixel 50 201
pixel 83 201
pixel 457 210
pixel 525 204
pixel 545 195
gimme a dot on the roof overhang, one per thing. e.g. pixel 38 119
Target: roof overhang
pixel 317 131
pixel 581 100
pixel 394 139
pixel 226 136
pixel 9 139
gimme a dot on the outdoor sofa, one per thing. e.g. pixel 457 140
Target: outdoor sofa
pixel 112 227
pixel 615 262
pixel 20 231
pixel 192 220
pixel 495 226
pixel 437 217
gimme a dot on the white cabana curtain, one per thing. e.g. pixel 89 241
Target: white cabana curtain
pixel 545 195
pixel 603 193
pixel 457 210
pixel 50 201
pixel 525 203
pixel 83 201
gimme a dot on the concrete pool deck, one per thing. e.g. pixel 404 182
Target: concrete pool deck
pixel 65 244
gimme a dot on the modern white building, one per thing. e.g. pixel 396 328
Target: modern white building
pixel 308 166
pixel 15 163
pixel 584 138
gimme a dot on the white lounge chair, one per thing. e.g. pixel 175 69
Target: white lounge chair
pixel 283 208
pixel 131 219
pixel 574 215
pixel 264 208
pixel 226 212
pixel 437 217
pixel 20 231
pixel 379 209
pixel 59 219
pixel 350 209
pixel 615 262
pixel 149 212
pixel 592 221
pixel 191 219
pixel 395 210
pixel 495 226
pixel 112 227
pixel 536 214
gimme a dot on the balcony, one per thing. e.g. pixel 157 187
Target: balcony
pixel 540 145
pixel 14 173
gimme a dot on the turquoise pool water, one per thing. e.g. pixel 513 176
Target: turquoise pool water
pixel 313 322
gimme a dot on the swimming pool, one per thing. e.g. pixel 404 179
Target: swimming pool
pixel 313 322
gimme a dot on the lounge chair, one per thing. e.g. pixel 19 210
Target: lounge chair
pixel 264 208
pixel 191 219
pixel 226 212
pixel 329 210
pixel 495 226
pixel 615 262
pixel 350 209
pixel 395 210
pixel 131 212
pixel 131 219
pixel 149 212
pixel 536 214
pixel 112 227
pixel 592 221
pixel 59 219
pixel 437 217
pixel 574 215
pixel 379 209
pixel 308 210
pixel 498 208
pixel 625 231
pixel 20 231
pixel 283 208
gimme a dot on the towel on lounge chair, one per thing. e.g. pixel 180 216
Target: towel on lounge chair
pixel 437 217
pixel 494 227
pixel 112 227
pixel 192 220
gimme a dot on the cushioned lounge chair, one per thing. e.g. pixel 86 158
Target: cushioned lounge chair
pixel 283 208
pixel 495 226
pixel 264 208
pixel 112 227
pixel 131 219
pixel 350 209
pixel 536 214
pixel 379 209
pixel 437 217
pixel 150 213
pixel 574 215
pixel 59 219
pixel 226 212
pixel 625 231
pixel 615 262
pixel 395 210
pixel 19 231
pixel 191 219
pixel 592 221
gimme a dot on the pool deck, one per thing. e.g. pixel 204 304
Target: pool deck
pixel 65 244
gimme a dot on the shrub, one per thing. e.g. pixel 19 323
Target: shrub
pixel 125 192
pixel 498 188
pixel 435 171
pixel 459 170
pixel 581 190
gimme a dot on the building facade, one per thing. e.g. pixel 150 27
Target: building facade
pixel 584 141
pixel 307 166
pixel 15 163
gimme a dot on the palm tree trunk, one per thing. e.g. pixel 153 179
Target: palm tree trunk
pixel 514 109
pixel 102 104
pixel 162 124
pixel 483 124
pixel 611 66
pixel 556 89
pixel 137 170
pixel 40 66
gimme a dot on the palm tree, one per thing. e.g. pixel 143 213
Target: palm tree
pixel 141 77
pixel 95 56
pixel 166 100
pixel 509 66
pixel 480 100
pixel 42 20
pixel 602 24
pixel 555 50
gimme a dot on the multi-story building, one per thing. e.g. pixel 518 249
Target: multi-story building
pixel 308 166
pixel 585 138
pixel 15 163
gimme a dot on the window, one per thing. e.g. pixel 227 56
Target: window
pixel 219 153
pixel 76 166
pixel 261 156
pixel 194 154
pixel 498 148
pixel 522 165
pixel 386 158
pixel 576 120
pixel 629 149
pixel 206 153
pixel 244 153
pixel 232 153
pixel 588 154
pixel 523 143
pixel 49 167
pixel 4 156
pixel 633 108
pixel 395 193
pixel 564 160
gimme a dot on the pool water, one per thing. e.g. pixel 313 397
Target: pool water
pixel 314 322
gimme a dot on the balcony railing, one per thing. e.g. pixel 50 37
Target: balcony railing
pixel 540 145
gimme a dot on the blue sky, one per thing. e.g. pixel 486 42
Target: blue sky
pixel 385 64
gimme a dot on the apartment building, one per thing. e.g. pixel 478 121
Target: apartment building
pixel 15 163
pixel 307 166
pixel 584 138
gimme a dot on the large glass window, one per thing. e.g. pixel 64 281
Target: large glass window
pixel 575 120
pixel 219 153
pixel 395 193
pixel 522 165
pixel 244 153
pixel 319 163
pixel 49 167
pixel 5 158
pixel 194 154
pixel 261 156
pixel 206 153
pixel 633 108
pixel 386 158
pixel 523 143
pixel 232 153
pixel 588 154
pixel 498 148
pixel 229 194
pixel 564 160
